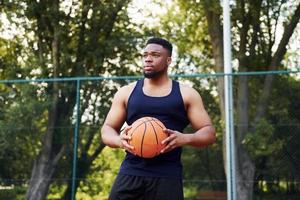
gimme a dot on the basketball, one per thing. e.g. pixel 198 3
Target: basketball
pixel 146 137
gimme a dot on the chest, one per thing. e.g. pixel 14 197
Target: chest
pixel 157 92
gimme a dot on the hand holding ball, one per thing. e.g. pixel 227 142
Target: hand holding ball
pixel 146 137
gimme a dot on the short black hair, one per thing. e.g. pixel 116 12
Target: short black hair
pixel 163 42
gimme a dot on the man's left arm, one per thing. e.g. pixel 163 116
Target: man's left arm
pixel 200 121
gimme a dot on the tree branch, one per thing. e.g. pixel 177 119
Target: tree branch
pixel 274 65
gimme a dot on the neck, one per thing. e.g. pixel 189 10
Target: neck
pixel 162 80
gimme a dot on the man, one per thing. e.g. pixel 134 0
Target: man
pixel 176 105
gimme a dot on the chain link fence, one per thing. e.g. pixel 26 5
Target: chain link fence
pixel 50 132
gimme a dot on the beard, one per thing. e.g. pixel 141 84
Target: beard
pixel 154 74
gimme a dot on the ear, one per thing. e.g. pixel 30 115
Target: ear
pixel 169 60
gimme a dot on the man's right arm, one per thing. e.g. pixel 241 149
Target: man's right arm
pixel 115 118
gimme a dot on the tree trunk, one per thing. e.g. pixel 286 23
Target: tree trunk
pixel 44 165
pixel 103 28
pixel 46 162
pixel 41 177
pixel 84 165
pixel 245 171
pixel 274 65
pixel 216 35
pixel 245 168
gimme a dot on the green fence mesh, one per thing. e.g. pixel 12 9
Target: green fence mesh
pixel 61 120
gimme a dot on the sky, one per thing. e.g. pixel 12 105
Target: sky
pixel 139 9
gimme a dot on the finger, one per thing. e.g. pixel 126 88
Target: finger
pixel 127 146
pixel 166 149
pixel 168 139
pixel 125 137
pixel 165 141
pixel 170 146
pixel 126 129
pixel 168 131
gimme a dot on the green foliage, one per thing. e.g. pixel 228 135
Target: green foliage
pixel 87 38
pixel 21 128
pixel 7 194
pixel 96 38
pixel 102 175
pixel 185 26
pixel 12 192
pixel 254 38
pixel 10 50
pixel 261 142
pixel 284 114
pixel 203 168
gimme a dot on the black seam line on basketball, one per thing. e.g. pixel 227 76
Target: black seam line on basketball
pixel 154 132
pixel 149 120
pixel 158 124
pixel 156 153
pixel 161 127
pixel 136 128
pixel 142 143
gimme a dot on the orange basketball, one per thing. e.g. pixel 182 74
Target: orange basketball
pixel 146 137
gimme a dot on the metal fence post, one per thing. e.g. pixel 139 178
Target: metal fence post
pixel 76 131
pixel 230 143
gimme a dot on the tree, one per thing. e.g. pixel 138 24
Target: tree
pixel 254 25
pixel 86 38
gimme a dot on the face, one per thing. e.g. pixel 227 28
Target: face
pixel 156 60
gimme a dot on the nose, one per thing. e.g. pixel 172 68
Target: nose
pixel 148 58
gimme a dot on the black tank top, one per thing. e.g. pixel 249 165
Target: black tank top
pixel 170 110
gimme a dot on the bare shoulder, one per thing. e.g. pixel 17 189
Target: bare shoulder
pixel 189 94
pixel 127 88
pixel 124 92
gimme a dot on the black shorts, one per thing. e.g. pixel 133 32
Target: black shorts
pixel 128 187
